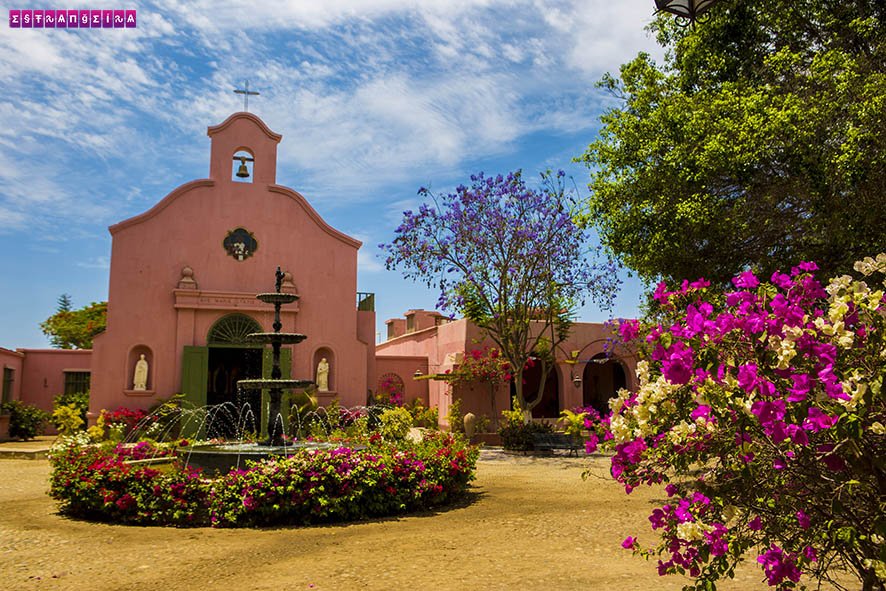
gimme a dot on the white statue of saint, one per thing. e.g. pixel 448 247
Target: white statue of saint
pixel 140 380
pixel 323 376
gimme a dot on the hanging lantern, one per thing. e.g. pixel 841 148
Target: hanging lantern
pixel 687 11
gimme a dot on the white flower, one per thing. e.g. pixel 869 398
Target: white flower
pixel 690 531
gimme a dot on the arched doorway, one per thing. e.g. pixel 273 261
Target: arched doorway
pixel 603 378
pixel 549 407
pixel 231 358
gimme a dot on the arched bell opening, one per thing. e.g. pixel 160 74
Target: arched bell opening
pixel 243 167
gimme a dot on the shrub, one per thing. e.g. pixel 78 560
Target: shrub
pixel 573 421
pixel 455 418
pixel 421 416
pixel 482 424
pixel 67 419
pixel 518 437
pixel 80 400
pixel 394 424
pixel 307 487
pixel 26 421
pixel 764 407
pixel 516 434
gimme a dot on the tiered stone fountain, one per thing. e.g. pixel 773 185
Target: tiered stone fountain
pixel 275 385
pixel 222 458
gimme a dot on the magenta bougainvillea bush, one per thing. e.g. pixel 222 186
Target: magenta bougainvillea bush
pixel 762 409
pixel 338 484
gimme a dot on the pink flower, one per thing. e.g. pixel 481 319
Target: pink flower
pixel 747 376
pixel 677 366
pixel 779 565
pixel 591 443
pixel 800 389
pixel 701 411
pixel 802 519
pixel 809 553
pixel 628 542
pixel 629 330
pixel 816 420
pixel 661 293
pixel 746 280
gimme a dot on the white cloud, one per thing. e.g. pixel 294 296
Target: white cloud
pixel 95 263
pixel 368 93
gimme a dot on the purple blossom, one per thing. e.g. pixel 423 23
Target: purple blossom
pixel 747 377
pixel 629 330
pixel 816 420
pixel 779 565
pixel 746 280
pixel 801 385
pixel 677 366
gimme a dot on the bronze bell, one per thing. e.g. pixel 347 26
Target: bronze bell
pixel 242 172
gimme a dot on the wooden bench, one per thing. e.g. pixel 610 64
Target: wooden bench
pixel 552 441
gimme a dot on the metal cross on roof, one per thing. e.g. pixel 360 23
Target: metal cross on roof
pixel 246 93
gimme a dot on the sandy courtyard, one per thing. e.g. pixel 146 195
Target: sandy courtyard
pixel 528 523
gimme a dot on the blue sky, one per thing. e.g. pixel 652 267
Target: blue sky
pixel 374 98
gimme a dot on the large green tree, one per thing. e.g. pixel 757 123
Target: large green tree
pixel 74 329
pixel 760 141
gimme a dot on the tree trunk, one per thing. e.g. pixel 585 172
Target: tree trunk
pixel 494 422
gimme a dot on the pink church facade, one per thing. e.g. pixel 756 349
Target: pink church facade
pixel 184 275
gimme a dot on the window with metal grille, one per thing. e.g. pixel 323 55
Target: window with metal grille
pixel 8 380
pixel 76 381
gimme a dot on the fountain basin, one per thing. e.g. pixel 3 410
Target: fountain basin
pixel 284 338
pixel 222 458
pixel 276 297
pixel 260 384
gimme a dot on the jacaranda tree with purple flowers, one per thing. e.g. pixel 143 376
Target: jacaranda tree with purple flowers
pixel 763 410
pixel 508 257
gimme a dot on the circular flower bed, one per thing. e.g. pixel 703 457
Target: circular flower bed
pixel 340 484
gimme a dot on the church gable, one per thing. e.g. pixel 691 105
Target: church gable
pixel 184 275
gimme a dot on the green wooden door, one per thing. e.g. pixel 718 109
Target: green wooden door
pixel 195 369
pixel 286 372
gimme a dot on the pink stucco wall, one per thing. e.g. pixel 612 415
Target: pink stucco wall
pixel 153 309
pixel 441 346
pixel 43 374
pixel 12 360
pixel 405 366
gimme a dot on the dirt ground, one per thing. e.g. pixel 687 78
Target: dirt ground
pixel 527 523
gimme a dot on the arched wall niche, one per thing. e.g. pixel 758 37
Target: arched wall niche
pixel 132 359
pixel 328 354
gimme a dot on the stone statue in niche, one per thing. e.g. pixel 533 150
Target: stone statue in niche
pixel 140 379
pixel 323 376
